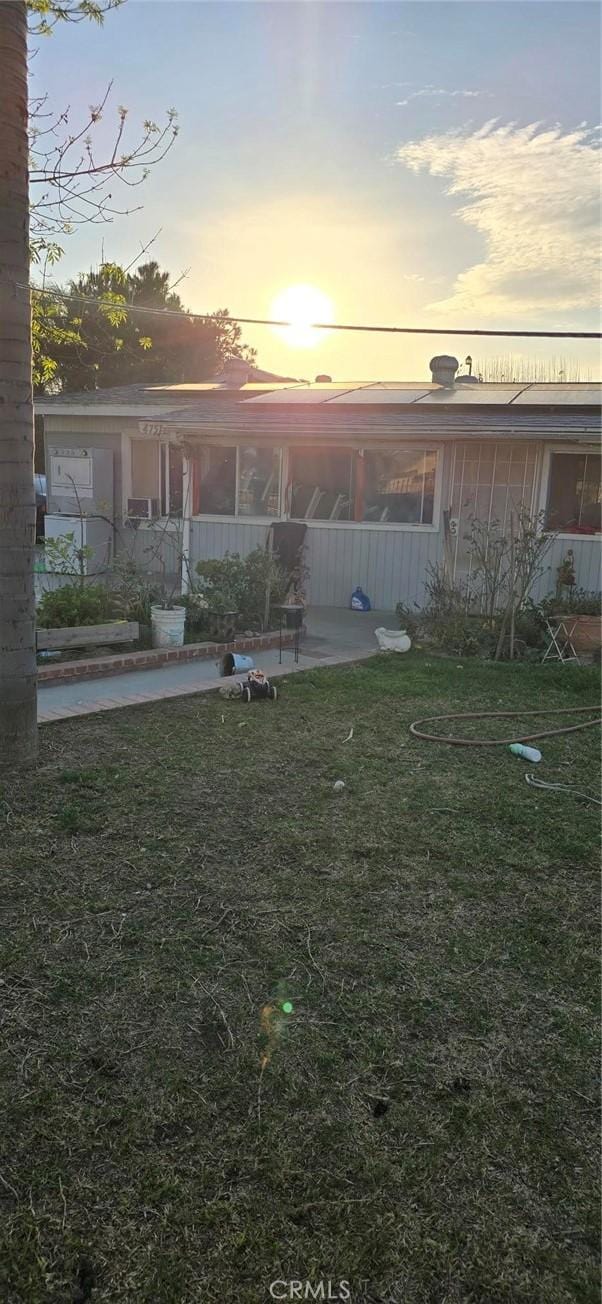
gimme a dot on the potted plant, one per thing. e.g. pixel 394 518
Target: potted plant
pixel 167 612
pixel 581 611
pixel 582 614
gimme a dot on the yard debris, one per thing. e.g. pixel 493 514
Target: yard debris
pixel 349 736
pixel 562 787
pixel 232 690
pixel 528 753
pixel 339 785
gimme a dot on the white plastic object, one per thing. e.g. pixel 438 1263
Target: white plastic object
pixel 527 753
pixel 168 626
pixel 393 640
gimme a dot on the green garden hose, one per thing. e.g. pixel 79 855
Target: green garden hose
pixel 493 715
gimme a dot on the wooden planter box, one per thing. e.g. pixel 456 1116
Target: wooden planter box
pixel 115 631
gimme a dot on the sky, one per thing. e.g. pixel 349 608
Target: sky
pixel 430 164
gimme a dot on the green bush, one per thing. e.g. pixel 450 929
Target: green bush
pixel 575 602
pixel 222 582
pixel 408 620
pixel 236 584
pixel 76 604
pixel 262 571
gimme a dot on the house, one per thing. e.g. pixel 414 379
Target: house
pixel 386 476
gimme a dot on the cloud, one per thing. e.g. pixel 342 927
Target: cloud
pixel 435 92
pixel 533 195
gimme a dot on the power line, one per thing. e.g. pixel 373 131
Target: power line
pixel 319 326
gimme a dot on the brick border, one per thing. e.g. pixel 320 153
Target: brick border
pixel 72 671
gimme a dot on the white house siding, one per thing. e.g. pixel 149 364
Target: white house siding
pixel 155 550
pixel 211 539
pixel 390 565
pixel 588 558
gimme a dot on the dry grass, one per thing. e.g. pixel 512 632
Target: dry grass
pixel 425 1125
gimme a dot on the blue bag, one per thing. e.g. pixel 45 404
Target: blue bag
pixel 360 600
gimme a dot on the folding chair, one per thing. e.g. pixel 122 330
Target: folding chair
pixel 560 630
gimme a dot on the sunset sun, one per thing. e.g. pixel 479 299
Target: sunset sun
pixel 302 306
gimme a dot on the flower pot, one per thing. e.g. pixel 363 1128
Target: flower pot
pixel 587 633
pixel 168 626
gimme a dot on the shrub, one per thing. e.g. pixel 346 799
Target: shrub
pixel 577 602
pixel 133 592
pixel 76 604
pixel 222 582
pixel 197 612
pixel 408 620
pixel 264 577
pixel 241 585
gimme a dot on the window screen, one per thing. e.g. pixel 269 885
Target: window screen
pixel 321 484
pixel 217 481
pixel 574 493
pixel 400 486
pixel 258 481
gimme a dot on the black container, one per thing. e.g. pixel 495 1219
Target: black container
pixel 293 615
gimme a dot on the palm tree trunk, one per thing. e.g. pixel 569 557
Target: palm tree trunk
pixel 17 497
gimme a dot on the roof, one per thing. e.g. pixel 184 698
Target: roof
pixel 274 393
pixel 401 393
pixel 128 399
pixel 360 424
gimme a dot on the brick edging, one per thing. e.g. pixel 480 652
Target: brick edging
pixel 150 658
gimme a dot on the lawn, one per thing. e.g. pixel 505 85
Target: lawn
pixel 424 1125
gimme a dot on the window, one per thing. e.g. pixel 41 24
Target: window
pixel 217 481
pixel 171 480
pixel 258 482
pixel 145 461
pixel 574 493
pixel 321 484
pixel 399 486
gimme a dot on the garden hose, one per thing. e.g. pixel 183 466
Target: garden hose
pixel 493 715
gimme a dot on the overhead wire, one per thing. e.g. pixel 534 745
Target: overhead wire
pixel 320 326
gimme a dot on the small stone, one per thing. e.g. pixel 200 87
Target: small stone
pixel 339 785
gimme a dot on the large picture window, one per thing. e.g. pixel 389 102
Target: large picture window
pixel 399 486
pixel 574 493
pixel 321 484
pixel 394 486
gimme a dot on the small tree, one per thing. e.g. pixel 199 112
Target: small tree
pixel 93 341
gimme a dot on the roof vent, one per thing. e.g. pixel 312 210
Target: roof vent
pixel 323 380
pixel 443 370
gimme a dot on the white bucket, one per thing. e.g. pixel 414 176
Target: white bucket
pixel 168 626
pixel 393 640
